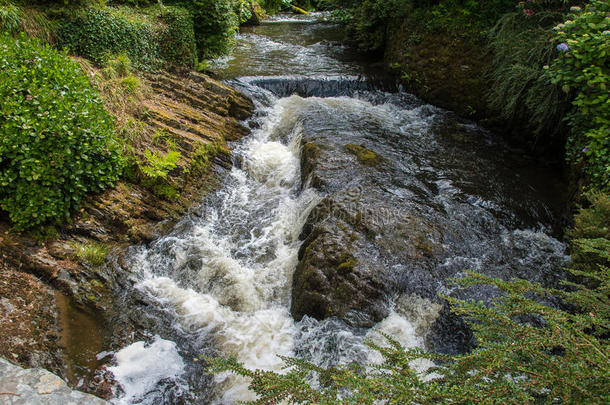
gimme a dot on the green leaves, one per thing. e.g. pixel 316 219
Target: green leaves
pixel 100 32
pixel 584 71
pixel 57 141
pixel 159 166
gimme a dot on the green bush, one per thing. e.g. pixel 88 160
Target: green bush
pixel 215 25
pixel 527 353
pixel 97 33
pixel 177 37
pixel 119 65
pixel 583 69
pixel 58 142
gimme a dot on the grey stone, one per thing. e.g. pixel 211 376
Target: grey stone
pixel 38 386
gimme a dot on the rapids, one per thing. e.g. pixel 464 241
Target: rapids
pixel 221 283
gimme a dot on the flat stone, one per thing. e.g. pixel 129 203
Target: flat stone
pixel 38 386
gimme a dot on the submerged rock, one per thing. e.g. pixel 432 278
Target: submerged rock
pixel 38 386
pixel 365 156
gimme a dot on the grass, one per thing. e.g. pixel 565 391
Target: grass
pixel 91 253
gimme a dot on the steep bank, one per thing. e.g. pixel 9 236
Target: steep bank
pixel 183 112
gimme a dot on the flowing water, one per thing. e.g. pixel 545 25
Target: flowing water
pixel 221 282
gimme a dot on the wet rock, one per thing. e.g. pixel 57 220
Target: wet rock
pixel 365 156
pixel 330 282
pixel 38 386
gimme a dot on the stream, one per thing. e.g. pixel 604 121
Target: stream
pixel 345 212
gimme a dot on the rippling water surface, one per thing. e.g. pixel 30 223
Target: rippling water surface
pixel 220 283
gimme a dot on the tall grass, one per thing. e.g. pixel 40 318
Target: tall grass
pixel 522 90
pixel 11 18
pixel 34 23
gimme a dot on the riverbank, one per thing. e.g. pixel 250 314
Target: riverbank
pixel 66 263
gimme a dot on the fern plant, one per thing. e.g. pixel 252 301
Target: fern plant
pixel 158 166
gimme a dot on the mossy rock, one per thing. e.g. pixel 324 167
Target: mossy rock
pixel 365 156
pixel 258 14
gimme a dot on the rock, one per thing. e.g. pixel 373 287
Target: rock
pixel 38 386
pixel 28 320
pixel 365 156
pixel 330 282
pixel 258 14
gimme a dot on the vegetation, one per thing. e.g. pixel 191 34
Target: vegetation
pixel 522 90
pixel 528 350
pixel 177 43
pixel 58 142
pixel 91 253
pixel 158 166
pixel 98 33
pixel 583 70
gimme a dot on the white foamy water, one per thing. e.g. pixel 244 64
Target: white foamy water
pixel 224 276
pixel 227 279
pixel 140 367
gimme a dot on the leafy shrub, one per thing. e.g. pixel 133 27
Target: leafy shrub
pixel 215 24
pixel 583 68
pixel 120 65
pixel 97 33
pixel 177 37
pixel 58 142
pixel 555 357
pixel 243 10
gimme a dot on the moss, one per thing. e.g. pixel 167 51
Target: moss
pixel 593 222
pixel 347 266
pixel 365 156
pixel 203 154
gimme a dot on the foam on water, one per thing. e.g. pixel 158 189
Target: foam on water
pixel 225 274
pixel 140 367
